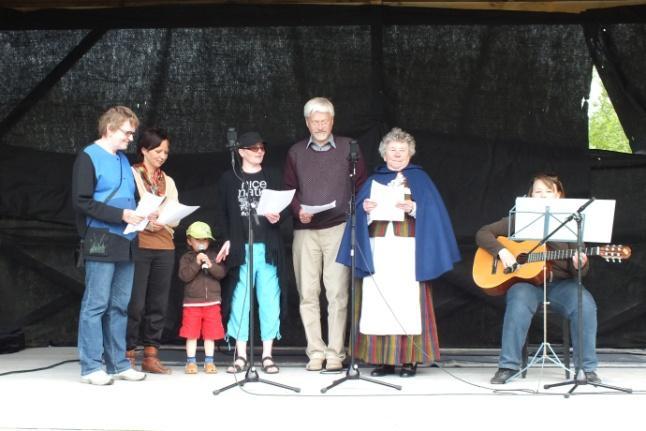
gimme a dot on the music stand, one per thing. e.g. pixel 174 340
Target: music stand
pixel 527 218
pixel 580 378
pixel 353 373
pixel 251 374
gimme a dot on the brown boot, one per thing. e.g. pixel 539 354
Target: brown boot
pixel 151 363
pixel 131 355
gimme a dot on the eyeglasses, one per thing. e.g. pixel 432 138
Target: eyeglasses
pixel 255 149
pixel 128 133
pixel 319 123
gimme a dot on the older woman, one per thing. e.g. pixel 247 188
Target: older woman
pixel 397 260
pixel 154 256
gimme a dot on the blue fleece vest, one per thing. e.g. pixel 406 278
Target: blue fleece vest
pixel 112 171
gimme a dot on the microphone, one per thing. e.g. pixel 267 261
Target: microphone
pixel 205 267
pixel 232 144
pixel 354 151
pixel 252 207
pixel 232 138
pixel 585 205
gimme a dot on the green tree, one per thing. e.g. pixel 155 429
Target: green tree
pixel 604 130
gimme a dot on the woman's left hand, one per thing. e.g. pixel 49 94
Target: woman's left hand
pixel 224 252
pixel 408 206
pixel 154 227
pixel 153 216
pixel 272 217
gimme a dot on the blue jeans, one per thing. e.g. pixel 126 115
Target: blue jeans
pixel 523 300
pixel 104 315
pixel 267 292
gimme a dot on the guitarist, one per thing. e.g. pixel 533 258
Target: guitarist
pixel 523 298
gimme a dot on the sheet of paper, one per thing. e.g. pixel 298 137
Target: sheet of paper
pixel 386 198
pixel 274 201
pixel 147 205
pixel 536 217
pixel 173 212
pixel 315 209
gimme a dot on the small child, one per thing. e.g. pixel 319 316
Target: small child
pixel 202 296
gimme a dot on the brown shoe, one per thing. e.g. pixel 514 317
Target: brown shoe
pixel 210 368
pixel 131 355
pixel 151 363
pixel 190 368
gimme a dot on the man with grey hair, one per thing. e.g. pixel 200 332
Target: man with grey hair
pixel 318 168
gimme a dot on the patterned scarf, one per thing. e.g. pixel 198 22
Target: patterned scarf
pixel 154 183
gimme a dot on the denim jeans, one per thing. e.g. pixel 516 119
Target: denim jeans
pixel 103 317
pixel 523 300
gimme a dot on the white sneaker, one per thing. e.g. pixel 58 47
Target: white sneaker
pixel 99 377
pixel 130 375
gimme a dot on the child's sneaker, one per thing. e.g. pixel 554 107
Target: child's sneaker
pixel 210 368
pixel 190 368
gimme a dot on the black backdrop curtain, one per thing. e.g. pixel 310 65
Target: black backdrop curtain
pixel 489 98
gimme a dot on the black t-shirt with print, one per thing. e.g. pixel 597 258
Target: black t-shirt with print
pixel 249 193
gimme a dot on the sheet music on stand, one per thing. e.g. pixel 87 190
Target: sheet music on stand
pixel 535 217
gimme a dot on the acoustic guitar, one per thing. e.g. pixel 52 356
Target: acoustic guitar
pixel 490 275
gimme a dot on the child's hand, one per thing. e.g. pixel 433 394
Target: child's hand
pixel 203 259
pixel 224 252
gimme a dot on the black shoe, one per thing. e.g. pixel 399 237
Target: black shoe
pixel 592 377
pixel 408 370
pixel 383 370
pixel 502 375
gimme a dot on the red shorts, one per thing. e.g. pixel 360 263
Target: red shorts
pixel 206 321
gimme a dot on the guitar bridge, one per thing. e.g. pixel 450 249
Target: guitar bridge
pixel 494 266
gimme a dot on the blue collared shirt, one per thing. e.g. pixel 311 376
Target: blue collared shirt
pixel 326 147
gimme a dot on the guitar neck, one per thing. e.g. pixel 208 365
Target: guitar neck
pixel 560 254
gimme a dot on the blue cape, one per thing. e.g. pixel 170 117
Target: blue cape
pixel 435 247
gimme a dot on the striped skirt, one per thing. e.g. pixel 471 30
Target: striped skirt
pixel 400 349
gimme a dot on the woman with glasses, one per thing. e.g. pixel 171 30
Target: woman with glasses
pixel 238 196
pixel 103 196
pixel 397 259
pixel 154 255
pixel 523 298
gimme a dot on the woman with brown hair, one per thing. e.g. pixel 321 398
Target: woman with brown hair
pixel 523 298
pixel 154 255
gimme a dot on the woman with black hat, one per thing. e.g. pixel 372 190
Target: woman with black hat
pixel 238 195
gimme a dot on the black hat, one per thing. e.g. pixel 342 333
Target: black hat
pixel 249 139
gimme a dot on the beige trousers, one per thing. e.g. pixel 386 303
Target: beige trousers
pixel 314 254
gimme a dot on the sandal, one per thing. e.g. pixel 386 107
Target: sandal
pixel 269 366
pixel 239 365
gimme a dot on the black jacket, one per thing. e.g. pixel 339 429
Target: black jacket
pixel 231 226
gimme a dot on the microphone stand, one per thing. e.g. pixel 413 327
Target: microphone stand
pixel 580 378
pixel 251 375
pixel 353 373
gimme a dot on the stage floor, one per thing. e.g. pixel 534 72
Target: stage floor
pixel 456 393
